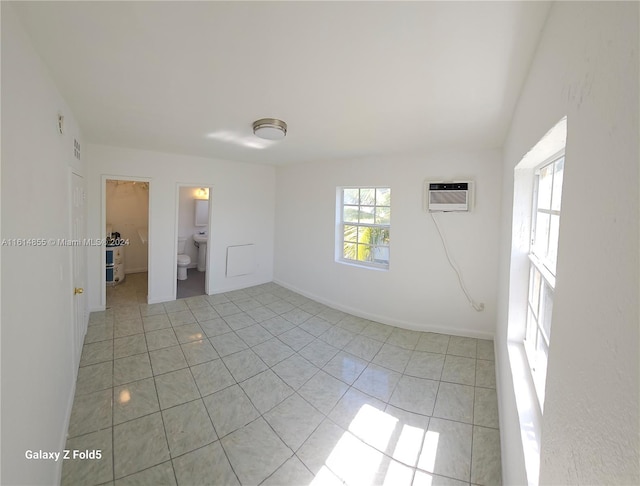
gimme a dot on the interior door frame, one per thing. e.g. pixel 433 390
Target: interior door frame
pixel 103 226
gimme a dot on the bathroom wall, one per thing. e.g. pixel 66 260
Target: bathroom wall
pixel 127 212
pixel 186 222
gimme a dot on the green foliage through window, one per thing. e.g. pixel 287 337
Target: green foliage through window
pixel 366 217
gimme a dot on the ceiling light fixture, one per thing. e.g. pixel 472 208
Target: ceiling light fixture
pixel 270 128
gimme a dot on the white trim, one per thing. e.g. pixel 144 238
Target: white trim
pixel 341 223
pixel 552 143
pixel 158 300
pixel 439 328
pixel 542 261
pixel 550 147
pixel 544 271
pixel 365 265
pixel 529 411
pixel 75 358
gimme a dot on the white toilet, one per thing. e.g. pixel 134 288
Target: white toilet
pixel 183 260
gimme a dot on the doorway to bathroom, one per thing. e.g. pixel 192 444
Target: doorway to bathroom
pixel 126 257
pixel 192 241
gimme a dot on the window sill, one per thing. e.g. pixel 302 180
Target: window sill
pixel 367 266
pixel 528 410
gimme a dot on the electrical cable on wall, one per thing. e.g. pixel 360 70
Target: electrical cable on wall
pixel 477 306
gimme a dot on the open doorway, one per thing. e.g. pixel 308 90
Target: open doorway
pixel 192 241
pixel 127 241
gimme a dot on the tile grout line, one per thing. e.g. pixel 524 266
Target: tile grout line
pixel 219 439
pixel 164 427
pixel 113 408
pixel 333 325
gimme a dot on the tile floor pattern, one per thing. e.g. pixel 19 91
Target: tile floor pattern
pixel 264 386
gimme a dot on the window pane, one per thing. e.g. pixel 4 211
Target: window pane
pixel 544 187
pixel 367 197
pixel 379 236
pixel 351 196
pixel 541 236
pixel 364 234
pixel 531 281
pixel 531 329
pixel 383 197
pixel 546 309
pixel 365 224
pixel 350 233
pixel 381 254
pixel 554 231
pixel 383 236
pixel 383 215
pixel 542 349
pixel 350 214
pixel 349 251
pixel 365 253
pixel 367 214
pixel 557 184
pixel 534 289
pixel 542 354
pixel 540 368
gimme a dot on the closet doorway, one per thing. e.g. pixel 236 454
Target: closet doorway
pixel 126 229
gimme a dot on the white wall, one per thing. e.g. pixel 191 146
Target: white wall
pixel 127 211
pixel 586 67
pixel 420 290
pixel 243 212
pixel 38 370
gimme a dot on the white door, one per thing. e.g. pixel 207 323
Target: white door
pixel 77 263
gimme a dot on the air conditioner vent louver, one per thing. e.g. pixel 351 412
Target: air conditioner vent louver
pixel 447 196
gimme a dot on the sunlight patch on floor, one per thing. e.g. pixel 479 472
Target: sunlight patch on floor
pixel 358 457
pixel 409 444
pixel 429 451
pixel 373 426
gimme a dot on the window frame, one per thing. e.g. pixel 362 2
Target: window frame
pixel 341 242
pixel 542 282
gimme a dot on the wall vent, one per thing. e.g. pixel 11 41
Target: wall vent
pixel 76 149
pixel 448 196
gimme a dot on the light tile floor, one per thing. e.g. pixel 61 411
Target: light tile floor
pixel 264 386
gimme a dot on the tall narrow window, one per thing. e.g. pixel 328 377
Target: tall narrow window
pixel 364 219
pixel 542 273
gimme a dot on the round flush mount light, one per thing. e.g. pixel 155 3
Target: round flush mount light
pixel 270 128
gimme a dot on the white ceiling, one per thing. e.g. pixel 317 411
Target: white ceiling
pixel 349 78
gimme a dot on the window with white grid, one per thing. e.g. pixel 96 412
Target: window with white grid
pixel 364 223
pixel 545 232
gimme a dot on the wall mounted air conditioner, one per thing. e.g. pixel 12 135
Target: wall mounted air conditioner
pixel 448 196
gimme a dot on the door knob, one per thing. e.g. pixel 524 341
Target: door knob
pixel 78 290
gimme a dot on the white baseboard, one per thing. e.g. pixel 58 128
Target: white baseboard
pixel 412 326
